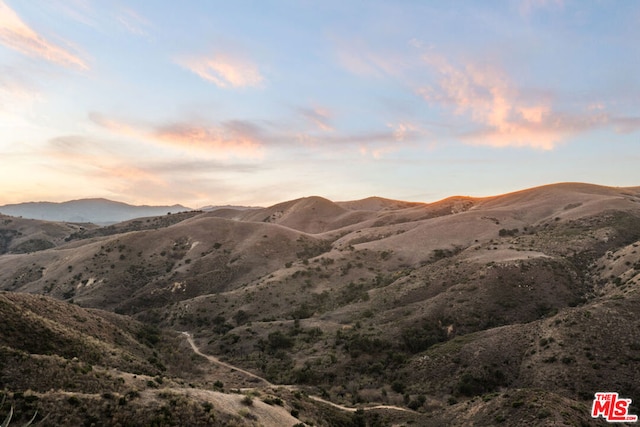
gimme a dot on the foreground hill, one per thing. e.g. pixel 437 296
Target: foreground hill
pixel 73 366
pixel 510 309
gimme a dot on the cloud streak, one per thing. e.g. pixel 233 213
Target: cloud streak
pixel 626 124
pixel 135 24
pixel 235 138
pixel 359 59
pixel 320 117
pixel 225 71
pixel 17 35
pixel 245 139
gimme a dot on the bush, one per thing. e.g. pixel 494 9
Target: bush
pixel 503 232
pixel 416 403
pixel 471 385
pixel 277 340
pixel 398 387
pixel 417 339
pixel 73 401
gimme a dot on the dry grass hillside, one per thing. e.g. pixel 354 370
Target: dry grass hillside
pixel 67 365
pixel 19 235
pixel 506 310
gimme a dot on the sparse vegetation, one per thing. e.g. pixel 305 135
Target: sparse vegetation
pixel 516 317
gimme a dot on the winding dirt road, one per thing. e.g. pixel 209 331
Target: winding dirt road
pixel 219 362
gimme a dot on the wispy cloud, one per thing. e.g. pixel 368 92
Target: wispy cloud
pixel 111 171
pixel 80 11
pixel 626 124
pixel 503 116
pixel 16 98
pixel 102 16
pixel 376 143
pixel 404 131
pixel 115 126
pixel 359 59
pixel 133 22
pixel 17 35
pixel 224 70
pixel 234 138
pixel 400 136
pixel 320 117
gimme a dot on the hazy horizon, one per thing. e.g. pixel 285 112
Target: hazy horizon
pixel 224 204
pixel 243 103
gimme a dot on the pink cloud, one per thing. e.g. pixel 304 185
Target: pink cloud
pixel 504 117
pixel 225 70
pixel 17 35
pixel 233 138
pixel 115 126
pixel 404 130
pixel 229 138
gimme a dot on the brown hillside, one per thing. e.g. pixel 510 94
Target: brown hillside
pixel 19 235
pixel 505 310
pixel 310 214
pixel 377 204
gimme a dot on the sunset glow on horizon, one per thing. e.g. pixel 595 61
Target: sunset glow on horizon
pixel 257 102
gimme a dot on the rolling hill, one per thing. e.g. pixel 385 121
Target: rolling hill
pixel 506 310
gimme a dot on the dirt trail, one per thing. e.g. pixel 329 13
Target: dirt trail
pixel 219 362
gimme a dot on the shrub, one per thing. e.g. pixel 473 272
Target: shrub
pixel 503 232
pixel 417 402
pixel 277 340
pixel 73 401
pixel 398 387
pixel 420 338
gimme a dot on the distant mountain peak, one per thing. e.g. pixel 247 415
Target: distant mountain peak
pixel 96 210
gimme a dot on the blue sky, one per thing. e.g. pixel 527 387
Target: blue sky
pixel 256 102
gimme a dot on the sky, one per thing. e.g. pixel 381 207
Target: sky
pixel 257 102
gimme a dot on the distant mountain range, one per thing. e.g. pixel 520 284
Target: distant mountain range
pixel 97 211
